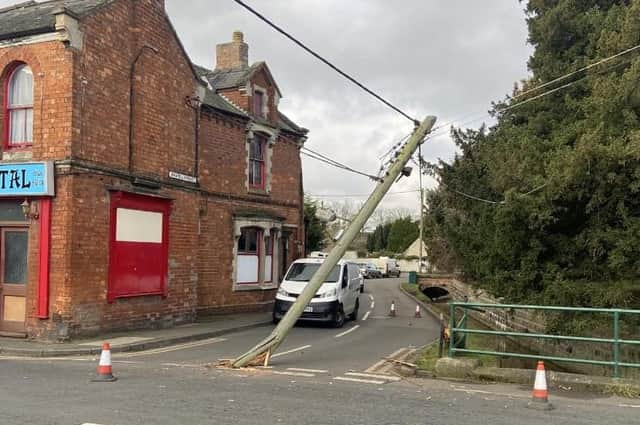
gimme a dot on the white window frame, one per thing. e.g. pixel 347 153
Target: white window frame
pixel 267 228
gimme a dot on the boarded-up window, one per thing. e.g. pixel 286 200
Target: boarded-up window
pixel 138 246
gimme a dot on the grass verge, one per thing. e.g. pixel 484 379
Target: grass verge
pixel 428 357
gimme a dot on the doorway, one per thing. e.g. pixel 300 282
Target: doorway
pixel 14 248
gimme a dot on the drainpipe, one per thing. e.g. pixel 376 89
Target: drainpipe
pixel 132 70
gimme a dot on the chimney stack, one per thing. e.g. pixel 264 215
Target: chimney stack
pixel 233 55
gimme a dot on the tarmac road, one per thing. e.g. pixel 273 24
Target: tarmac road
pixel 320 375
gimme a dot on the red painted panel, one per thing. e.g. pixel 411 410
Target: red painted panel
pixel 138 268
pixel 43 271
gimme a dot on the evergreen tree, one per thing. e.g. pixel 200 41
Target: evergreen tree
pixel 544 205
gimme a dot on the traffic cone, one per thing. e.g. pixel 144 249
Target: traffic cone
pixel 540 399
pixel 392 311
pixel 105 373
pixel 418 314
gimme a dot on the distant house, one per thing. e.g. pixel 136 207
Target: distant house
pixel 414 252
pixel 414 249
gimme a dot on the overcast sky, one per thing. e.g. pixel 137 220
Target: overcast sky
pixel 428 57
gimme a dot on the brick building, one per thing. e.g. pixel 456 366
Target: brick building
pixel 137 189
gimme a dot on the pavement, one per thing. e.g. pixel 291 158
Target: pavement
pixel 138 340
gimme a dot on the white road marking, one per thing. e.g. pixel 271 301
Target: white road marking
pixel 382 362
pixel 188 365
pixel 364 381
pixel 297 369
pixel 347 331
pixel 471 391
pixel 172 348
pixel 366 316
pixel 304 347
pixel 629 405
pixel 371 297
pixel 307 375
pixel 369 375
pixel 46 359
pixel 373 304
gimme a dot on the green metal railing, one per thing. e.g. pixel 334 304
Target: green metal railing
pixel 459 331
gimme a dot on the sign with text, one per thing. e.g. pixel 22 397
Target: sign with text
pixel 27 179
pixel 182 177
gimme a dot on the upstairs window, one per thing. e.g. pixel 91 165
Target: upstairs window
pixel 257 162
pixel 258 103
pixel 19 108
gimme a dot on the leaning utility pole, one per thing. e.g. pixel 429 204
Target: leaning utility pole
pixel 270 343
pixel 421 210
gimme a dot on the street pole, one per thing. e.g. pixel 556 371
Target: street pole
pixel 421 210
pixel 270 343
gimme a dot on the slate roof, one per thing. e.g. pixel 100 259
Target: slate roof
pixel 216 101
pixel 221 80
pixel 31 18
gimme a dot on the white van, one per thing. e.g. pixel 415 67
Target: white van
pixel 337 297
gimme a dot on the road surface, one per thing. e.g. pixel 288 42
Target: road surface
pixel 320 375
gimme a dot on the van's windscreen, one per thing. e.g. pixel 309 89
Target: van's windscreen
pixel 302 272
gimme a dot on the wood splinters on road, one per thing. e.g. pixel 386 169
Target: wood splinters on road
pixel 260 361
pixel 400 362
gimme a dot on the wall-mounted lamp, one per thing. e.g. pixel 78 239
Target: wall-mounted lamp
pixel 30 210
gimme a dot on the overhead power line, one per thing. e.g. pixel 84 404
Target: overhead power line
pixel 326 62
pixel 323 158
pixel 584 68
pixel 474 118
pixel 359 195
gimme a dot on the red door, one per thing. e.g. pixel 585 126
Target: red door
pixel 14 248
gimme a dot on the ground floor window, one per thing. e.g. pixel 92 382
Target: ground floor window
pixel 249 255
pixel 138 248
pixel 256 256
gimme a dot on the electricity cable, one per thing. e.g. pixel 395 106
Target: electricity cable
pixel 326 62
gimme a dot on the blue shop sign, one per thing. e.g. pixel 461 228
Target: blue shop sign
pixel 27 179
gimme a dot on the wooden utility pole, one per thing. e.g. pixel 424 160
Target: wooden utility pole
pixel 270 343
pixel 421 209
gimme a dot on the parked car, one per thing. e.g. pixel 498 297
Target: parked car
pixel 369 271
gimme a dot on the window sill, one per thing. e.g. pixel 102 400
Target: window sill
pixel 17 154
pixel 245 287
pixel 258 191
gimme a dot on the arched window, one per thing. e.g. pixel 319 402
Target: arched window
pixel 19 107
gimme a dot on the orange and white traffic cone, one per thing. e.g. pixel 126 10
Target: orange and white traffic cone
pixel 418 313
pixel 540 399
pixel 392 311
pixel 105 374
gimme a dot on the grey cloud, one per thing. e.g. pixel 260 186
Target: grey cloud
pixel 446 58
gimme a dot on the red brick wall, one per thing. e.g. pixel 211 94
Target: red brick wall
pixel 81 112
pixel 52 67
pixel 286 171
pixel 261 80
pixel 89 262
pixel 163 124
pixel 223 154
pixel 215 289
